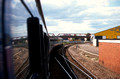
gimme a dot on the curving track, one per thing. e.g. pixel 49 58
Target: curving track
pixel 80 70
pixel 60 66
pixel 69 63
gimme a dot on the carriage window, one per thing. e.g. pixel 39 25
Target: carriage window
pixel 19 16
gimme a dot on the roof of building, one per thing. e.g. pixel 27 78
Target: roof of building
pixel 111 31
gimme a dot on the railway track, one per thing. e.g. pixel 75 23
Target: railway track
pixel 59 68
pixel 26 62
pixel 67 64
pixel 81 71
pixel 23 73
pixel 21 63
pixel 23 70
pixel 21 50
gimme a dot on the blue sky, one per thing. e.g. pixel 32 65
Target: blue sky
pixel 70 16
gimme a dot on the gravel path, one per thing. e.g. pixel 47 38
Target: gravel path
pixel 88 47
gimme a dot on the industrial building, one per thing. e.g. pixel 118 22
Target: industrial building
pixel 112 33
pixel 109 48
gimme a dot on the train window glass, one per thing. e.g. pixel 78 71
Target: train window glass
pixel 1 56
pixel 18 25
pixel 19 17
pixel 0 22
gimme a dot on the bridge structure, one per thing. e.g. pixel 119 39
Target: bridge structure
pixel 66 36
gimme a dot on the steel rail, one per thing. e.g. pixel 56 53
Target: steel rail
pixel 21 66
pixel 63 48
pixel 70 69
pixel 77 67
pixel 19 52
pixel 83 66
pixel 27 74
pixel 16 53
pixel 63 67
pixel 22 71
pixel 31 76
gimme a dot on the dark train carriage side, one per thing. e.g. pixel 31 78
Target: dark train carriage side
pixel 38 44
pixel 55 41
pixel 6 63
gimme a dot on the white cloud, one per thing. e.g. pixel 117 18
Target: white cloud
pixel 14 3
pixel 70 27
pixel 86 3
pixel 103 11
pixel 75 16
pixel 57 3
pixel 96 11
pixel 19 30
pixel 92 3
pixel 30 1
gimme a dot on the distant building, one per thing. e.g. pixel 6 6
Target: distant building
pixel 113 33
